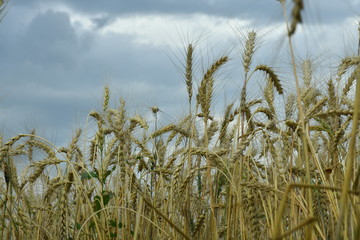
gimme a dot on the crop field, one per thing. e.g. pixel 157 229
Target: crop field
pixel 257 170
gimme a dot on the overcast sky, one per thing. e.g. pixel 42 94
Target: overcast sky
pixel 56 56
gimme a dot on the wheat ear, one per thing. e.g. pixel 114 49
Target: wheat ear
pixel 189 71
pixel 249 50
pixel 273 77
pixel 205 91
pixel 296 15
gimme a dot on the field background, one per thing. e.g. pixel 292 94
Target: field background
pixel 280 162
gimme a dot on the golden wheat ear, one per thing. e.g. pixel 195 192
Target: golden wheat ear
pixel 249 50
pixel 189 71
pixel 205 91
pixel 273 77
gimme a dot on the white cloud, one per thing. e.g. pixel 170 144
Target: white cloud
pixel 157 30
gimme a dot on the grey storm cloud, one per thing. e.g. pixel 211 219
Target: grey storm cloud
pixel 216 7
pixel 50 39
pixel 53 74
pixel 50 43
pixel 330 11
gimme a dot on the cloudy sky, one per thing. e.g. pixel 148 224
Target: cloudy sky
pixel 56 56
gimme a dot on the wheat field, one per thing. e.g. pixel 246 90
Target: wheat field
pixel 259 170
